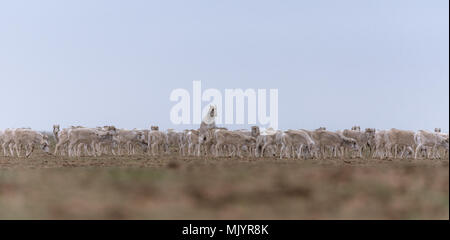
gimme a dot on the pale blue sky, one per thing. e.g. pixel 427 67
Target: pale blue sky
pixel 378 63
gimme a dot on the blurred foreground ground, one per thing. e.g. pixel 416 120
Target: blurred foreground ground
pixel 172 187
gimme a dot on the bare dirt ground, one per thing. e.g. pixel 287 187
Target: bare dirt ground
pixel 174 187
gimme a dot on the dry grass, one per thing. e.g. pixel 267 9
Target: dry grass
pixel 172 187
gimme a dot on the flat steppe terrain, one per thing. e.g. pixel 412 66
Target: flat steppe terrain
pixel 175 187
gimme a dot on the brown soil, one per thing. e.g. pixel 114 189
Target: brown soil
pixel 174 187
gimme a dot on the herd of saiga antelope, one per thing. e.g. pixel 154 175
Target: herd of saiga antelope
pixel 320 143
pixel 211 140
